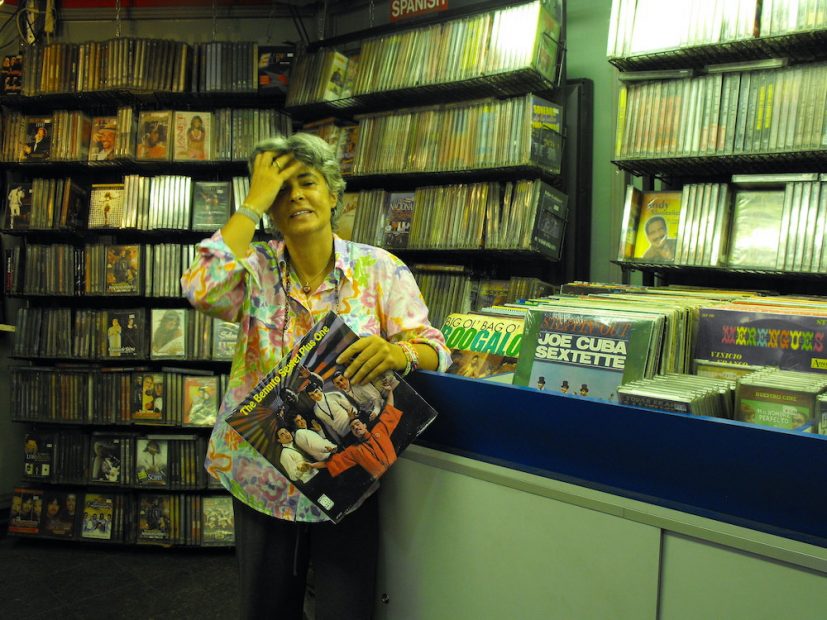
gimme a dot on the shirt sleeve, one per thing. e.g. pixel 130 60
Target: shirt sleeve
pixel 404 314
pixel 340 462
pixel 217 281
pixel 390 418
pixel 289 465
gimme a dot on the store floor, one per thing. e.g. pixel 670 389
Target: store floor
pixel 54 579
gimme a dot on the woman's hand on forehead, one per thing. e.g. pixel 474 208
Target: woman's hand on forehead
pixel 270 171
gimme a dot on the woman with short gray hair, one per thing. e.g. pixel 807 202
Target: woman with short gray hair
pixel 277 291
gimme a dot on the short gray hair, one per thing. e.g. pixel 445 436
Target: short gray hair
pixel 314 153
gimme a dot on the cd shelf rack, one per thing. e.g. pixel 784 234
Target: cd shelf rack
pixel 798 46
pixel 722 165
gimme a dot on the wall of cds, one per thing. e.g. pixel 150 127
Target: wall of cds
pixel 763 222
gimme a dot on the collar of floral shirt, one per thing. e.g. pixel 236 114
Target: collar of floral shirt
pixel 342 267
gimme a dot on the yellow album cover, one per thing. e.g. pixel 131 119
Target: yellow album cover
pixel 658 226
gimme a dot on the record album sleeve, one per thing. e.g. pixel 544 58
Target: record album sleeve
pixel 570 351
pixel 787 341
pixel 483 346
pixel 331 439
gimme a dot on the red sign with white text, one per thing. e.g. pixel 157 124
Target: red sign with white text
pixel 403 9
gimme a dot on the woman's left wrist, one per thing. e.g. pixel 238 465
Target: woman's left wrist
pixel 411 357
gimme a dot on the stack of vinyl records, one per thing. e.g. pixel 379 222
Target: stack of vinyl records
pixel 681 393
pixel 780 331
pixel 781 398
pixel 522 287
pixel 590 345
pixel 572 348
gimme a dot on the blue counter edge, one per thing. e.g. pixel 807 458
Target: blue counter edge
pixel 746 475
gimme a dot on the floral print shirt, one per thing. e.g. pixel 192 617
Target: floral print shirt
pixel 377 294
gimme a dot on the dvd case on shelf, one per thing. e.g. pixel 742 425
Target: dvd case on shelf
pixel 274 63
pixel 106 205
pixel 193 139
pixel 38 454
pixel 18 206
pixel 103 141
pixel 211 206
pixel 154 133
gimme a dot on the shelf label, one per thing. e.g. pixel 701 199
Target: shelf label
pixel 405 9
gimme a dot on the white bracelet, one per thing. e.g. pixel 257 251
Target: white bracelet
pixel 249 213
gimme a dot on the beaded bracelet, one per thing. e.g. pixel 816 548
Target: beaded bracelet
pixel 249 213
pixel 411 358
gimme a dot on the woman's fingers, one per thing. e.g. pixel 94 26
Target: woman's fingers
pixel 369 357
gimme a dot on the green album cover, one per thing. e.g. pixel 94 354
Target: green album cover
pixel 576 352
pixel 779 408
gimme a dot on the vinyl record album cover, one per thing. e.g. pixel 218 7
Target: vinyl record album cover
pixel 332 439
